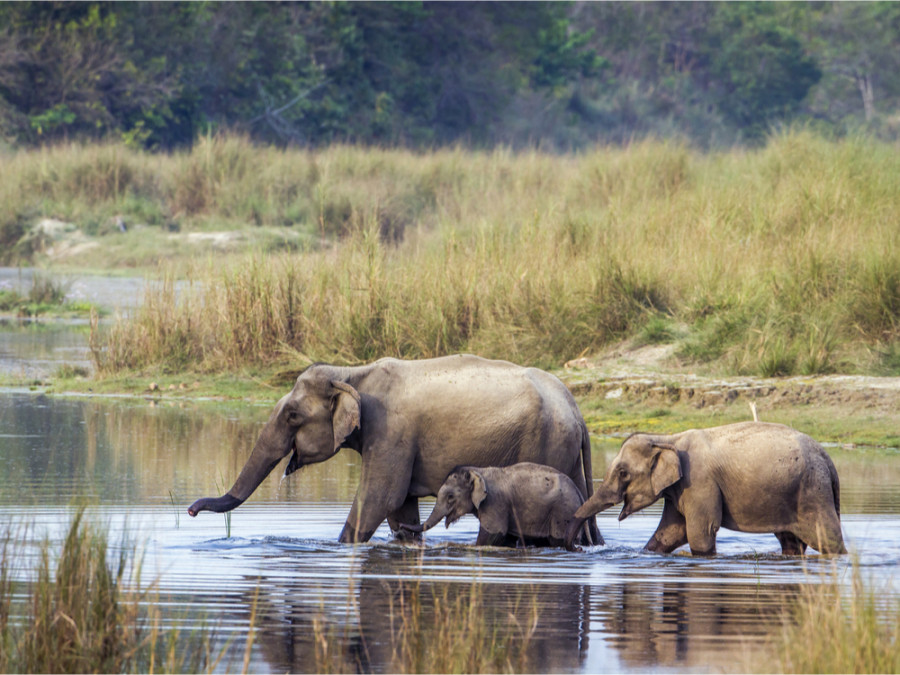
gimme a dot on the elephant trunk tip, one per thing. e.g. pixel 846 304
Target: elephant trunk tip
pixel 217 505
pixel 412 528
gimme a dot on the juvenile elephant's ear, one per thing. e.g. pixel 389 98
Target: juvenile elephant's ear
pixel 345 412
pixel 666 468
pixel 479 488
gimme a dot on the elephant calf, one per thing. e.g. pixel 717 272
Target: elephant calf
pixel 525 502
pixel 749 477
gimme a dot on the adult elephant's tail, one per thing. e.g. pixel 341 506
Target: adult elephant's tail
pixel 835 488
pixel 586 461
pixel 592 529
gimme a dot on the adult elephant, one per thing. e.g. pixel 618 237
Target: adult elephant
pixel 413 422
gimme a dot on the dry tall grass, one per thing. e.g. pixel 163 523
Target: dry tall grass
pixel 775 261
pixel 85 613
pixel 831 631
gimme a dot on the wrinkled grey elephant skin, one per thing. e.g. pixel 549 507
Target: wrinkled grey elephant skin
pixel 524 504
pixel 749 477
pixel 412 422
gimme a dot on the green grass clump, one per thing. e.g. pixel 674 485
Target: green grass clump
pixel 829 632
pixel 84 612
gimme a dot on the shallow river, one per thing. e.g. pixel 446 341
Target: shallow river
pixel 607 609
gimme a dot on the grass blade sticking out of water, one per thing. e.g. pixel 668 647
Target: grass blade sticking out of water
pixel 833 631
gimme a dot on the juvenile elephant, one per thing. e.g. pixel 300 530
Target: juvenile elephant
pixel 525 502
pixel 413 422
pixel 749 477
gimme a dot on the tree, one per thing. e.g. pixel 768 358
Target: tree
pixel 759 67
pixel 65 70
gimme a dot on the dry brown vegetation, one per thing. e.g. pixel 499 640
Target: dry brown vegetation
pixel 778 261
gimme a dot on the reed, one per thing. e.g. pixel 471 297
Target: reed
pixel 446 630
pixel 831 631
pixel 86 612
pixel 781 260
pixel 457 635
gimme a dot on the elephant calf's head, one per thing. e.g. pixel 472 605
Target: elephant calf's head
pixel 462 493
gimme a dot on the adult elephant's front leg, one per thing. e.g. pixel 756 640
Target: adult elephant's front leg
pixel 361 524
pixel 408 514
pixel 382 491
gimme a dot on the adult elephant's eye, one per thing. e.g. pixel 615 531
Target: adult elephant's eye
pixel 623 474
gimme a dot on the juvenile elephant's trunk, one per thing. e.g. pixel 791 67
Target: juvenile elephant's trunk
pixel 270 448
pixel 433 520
pixel 602 499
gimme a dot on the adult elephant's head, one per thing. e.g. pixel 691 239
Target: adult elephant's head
pixel 313 420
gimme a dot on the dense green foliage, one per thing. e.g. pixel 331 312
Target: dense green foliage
pixel 158 75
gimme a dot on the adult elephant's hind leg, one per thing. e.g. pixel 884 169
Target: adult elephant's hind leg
pixel 408 514
pixel 791 544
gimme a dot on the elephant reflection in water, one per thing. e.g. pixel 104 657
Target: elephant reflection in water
pixel 684 624
pixel 292 620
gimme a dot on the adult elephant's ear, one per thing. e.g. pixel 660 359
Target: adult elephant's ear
pixel 666 467
pixel 344 412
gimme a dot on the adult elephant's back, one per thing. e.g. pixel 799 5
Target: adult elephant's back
pixel 465 410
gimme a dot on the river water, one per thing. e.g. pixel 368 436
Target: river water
pixel 607 609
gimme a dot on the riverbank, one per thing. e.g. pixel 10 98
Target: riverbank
pixel 615 399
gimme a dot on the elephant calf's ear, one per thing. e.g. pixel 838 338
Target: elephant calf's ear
pixel 345 415
pixel 479 488
pixel 666 469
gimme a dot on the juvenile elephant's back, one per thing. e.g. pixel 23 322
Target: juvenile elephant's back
pixel 763 470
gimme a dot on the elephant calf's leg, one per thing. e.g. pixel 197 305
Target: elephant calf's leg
pixel 791 544
pixel 408 514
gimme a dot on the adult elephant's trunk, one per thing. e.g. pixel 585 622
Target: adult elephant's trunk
pixel 271 447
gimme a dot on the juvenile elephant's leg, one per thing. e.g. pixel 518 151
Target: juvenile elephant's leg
pixel 486 538
pixel 791 544
pixel 408 514
pixel 671 532
pixel 703 521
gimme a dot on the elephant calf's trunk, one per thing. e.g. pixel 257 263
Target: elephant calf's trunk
pixel 412 528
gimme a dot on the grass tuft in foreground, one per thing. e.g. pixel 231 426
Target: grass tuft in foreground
pixel 830 631
pixel 83 612
pixel 446 630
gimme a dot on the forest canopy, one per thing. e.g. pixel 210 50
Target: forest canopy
pixel 423 75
